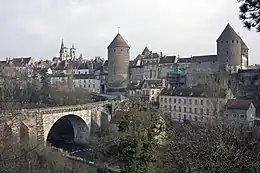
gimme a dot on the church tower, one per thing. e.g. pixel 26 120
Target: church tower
pixel 231 50
pixel 118 62
pixel 73 52
pixel 63 51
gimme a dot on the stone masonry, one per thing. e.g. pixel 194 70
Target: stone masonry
pixel 40 121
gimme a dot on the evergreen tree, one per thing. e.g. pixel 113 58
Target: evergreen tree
pixel 250 13
pixel 45 92
pixel 139 143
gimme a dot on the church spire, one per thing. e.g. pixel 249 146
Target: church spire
pixel 61 46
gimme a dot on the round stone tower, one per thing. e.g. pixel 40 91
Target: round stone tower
pixel 231 50
pixel 118 62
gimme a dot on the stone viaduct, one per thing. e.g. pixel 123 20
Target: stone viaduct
pixel 38 123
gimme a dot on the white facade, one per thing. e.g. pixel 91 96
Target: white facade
pixel 92 85
pixel 200 109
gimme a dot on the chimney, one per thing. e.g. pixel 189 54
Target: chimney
pixel 161 54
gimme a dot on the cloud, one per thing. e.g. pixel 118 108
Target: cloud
pixel 35 28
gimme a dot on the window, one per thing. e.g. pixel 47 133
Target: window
pixel 226 41
pixel 84 81
pixel 89 85
pixel 190 101
pixel 207 111
pixel 174 108
pixel 201 102
pixel 161 99
pixel 174 100
pixel 195 110
pixel 242 116
pixel 232 41
pixel 190 110
pixel 234 115
pixel 170 107
pixel 201 118
pixel 184 101
pixel 165 107
pixel 196 102
pixel 208 102
pixel 196 118
pixel 179 109
pixel 190 117
pixel 184 117
pixel 84 85
pixel 227 52
pixel 227 60
pixel 179 101
pixel 94 86
pixel 185 109
pixel 152 91
pixel 201 111
pixel 170 100
pixel 165 100
pixel 152 98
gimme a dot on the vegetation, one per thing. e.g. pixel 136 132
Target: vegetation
pixel 15 94
pixel 16 158
pixel 250 13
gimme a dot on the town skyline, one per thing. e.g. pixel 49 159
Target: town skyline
pixel 43 25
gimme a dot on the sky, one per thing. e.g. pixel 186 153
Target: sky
pixel 36 27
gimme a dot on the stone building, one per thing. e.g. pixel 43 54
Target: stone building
pixel 193 104
pixel 118 63
pixel 232 50
pixel 240 111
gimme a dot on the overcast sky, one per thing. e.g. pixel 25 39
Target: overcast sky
pixel 191 27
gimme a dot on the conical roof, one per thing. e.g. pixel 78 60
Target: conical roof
pixel 145 51
pixel 228 34
pixel 118 42
pixel 61 46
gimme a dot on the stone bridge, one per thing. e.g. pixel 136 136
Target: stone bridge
pixel 76 122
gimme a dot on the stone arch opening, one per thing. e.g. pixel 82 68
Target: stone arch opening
pixel 68 132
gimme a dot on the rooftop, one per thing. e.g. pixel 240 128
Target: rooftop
pixel 118 41
pixel 241 104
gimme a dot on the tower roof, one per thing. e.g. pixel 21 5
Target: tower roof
pixel 228 34
pixel 118 42
pixel 61 46
pixel 145 50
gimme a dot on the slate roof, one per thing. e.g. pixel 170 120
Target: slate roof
pixel 118 41
pixel 184 60
pixel 153 83
pixel 167 59
pixel 152 55
pixel 21 61
pixel 241 104
pixel 204 58
pixel 146 50
pixel 134 85
pixel 189 92
pixel 106 63
pixel 228 34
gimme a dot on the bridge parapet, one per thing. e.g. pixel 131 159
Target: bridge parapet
pixel 60 109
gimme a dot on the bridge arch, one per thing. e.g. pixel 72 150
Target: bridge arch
pixel 68 129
